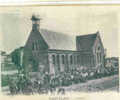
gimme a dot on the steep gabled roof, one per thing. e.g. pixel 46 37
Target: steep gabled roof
pixel 86 42
pixel 58 41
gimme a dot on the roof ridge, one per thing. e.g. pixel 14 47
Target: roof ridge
pixel 56 32
pixel 52 31
pixel 87 35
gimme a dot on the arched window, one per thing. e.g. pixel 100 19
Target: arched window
pixel 36 45
pixel 71 59
pixel 74 59
pixel 58 62
pixel 66 57
pixel 53 59
pixel 33 46
pixel 77 59
pixel 100 57
pixel 63 59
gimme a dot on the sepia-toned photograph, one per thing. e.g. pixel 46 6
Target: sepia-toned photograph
pixel 59 49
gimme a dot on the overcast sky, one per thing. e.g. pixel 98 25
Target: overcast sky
pixel 15 23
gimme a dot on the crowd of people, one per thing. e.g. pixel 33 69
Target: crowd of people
pixel 50 83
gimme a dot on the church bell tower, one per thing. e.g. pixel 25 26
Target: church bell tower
pixel 35 22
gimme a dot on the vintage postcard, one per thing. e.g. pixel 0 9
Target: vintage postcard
pixel 59 50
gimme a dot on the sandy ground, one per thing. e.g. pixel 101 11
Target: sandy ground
pixel 110 83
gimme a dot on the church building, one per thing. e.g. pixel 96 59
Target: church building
pixel 53 52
